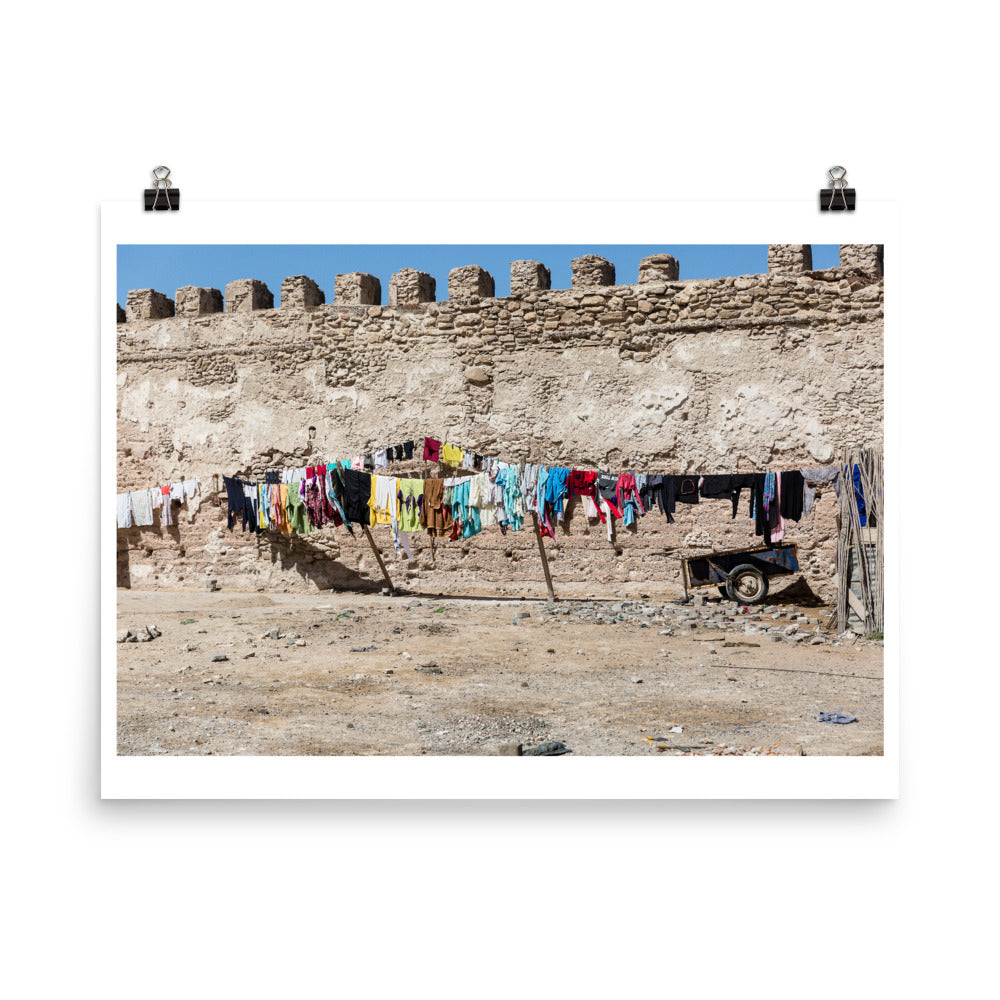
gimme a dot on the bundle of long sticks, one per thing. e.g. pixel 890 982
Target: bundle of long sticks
pixel 855 540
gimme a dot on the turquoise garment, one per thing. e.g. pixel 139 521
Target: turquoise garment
pixel 510 483
pixel 469 516
pixel 557 489
pixel 540 487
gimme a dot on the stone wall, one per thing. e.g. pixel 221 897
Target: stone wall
pixel 776 370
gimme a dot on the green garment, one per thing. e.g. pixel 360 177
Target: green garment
pixel 298 516
pixel 410 491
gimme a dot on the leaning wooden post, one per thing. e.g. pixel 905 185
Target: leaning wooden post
pixel 545 558
pixel 371 542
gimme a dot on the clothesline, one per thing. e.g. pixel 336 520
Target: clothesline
pixel 463 505
pixel 137 506
pixel 301 500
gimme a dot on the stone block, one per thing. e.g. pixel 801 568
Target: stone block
pixel 145 303
pixel 477 376
pixel 358 289
pixel 591 271
pixel 789 258
pixel 659 267
pixel 246 294
pixel 409 287
pixel 121 313
pixel 864 256
pixel 470 284
pixel 195 301
pixel 528 276
pixel 300 292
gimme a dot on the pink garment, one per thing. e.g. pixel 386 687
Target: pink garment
pixel 313 494
pixel 779 532
pixel 626 491
pixel 165 518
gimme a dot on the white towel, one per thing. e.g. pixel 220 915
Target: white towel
pixel 123 507
pixel 142 509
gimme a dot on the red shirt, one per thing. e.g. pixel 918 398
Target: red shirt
pixel 582 483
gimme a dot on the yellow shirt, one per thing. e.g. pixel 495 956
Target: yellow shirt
pixel 383 494
pixel 451 455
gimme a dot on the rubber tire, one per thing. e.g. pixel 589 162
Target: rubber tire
pixel 746 570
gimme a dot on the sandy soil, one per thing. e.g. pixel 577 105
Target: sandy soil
pixel 328 673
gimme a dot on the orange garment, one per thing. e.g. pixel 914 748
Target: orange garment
pixel 279 509
pixel 435 516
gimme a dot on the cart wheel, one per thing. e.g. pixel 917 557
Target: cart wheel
pixel 747 585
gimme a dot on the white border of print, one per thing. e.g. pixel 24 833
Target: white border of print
pixel 496 777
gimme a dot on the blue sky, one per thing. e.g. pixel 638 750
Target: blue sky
pixel 169 267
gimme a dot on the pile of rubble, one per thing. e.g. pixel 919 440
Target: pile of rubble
pixel 145 634
pixel 697 614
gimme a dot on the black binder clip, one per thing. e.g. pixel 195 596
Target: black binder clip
pixel 163 197
pixel 838 197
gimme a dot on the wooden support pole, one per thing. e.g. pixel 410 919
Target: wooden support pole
pixel 371 542
pixel 378 558
pixel 545 558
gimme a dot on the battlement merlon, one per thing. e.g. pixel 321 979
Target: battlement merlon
pixel 409 288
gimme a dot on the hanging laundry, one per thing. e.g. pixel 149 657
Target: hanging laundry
pixel 142 508
pixel 165 515
pixel 408 449
pixel 813 480
pixel 763 509
pixel 654 492
pixel 725 488
pixel 335 497
pixel 381 460
pixel 383 500
pixel 251 513
pixel 642 486
pixel 296 510
pixel 262 505
pixel 791 504
pixel 123 509
pixel 510 508
pixel 452 456
pixel 686 488
pixel 859 497
pixel 483 496
pixel 557 490
pixel 397 453
pixel 529 486
pixel 432 450
pixel 357 493
pixel 410 494
pixel 466 518
pixel 777 530
pixel 235 499
pixel 312 492
pixel 435 517
pixel 607 490
pixel 582 483
pixel 627 497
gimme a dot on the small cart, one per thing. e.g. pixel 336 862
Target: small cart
pixel 741 574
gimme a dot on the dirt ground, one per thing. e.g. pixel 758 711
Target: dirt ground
pixel 336 673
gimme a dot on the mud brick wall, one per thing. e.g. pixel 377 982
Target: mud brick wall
pixel 776 370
